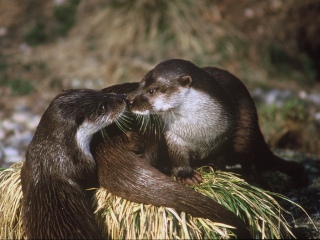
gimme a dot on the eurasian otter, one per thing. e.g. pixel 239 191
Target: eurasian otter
pixel 59 165
pixel 209 116
pixel 248 145
pixel 127 167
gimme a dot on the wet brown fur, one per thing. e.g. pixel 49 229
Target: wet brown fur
pixel 249 147
pixel 57 171
pixel 127 167
pixel 244 144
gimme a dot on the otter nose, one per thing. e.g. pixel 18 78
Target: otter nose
pixel 132 100
pixel 129 101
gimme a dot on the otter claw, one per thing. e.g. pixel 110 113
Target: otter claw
pixel 194 179
pixel 197 176
pixel 186 181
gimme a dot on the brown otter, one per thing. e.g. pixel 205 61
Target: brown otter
pixel 127 167
pixel 59 165
pixel 209 116
pixel 248 145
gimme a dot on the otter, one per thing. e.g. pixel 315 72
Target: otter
pixel 59 165
pixel 209 118
pixel 127 159
pixel 249 147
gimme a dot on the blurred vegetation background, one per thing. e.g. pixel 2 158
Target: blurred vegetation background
pixel 46 46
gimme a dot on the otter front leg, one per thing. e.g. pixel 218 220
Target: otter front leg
pixel 180 157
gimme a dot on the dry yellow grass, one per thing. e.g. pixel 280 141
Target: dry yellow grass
pixel 10 203
pixel 120 218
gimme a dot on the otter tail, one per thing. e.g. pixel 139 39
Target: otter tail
pixel 270 162
pixel 126 175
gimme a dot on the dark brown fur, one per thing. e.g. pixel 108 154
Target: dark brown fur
pixel 57 169
pixel 243 141
pixel 197 112
pixel 127 164
pixel 248 145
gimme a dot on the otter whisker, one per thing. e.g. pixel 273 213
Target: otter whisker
pixel 120 126
pixel 158 125
pixel 148 123
pixel 127 117
pixel 123 124
pixel 104 134
pixel 142 123
pixel 139 119
pixel 151 124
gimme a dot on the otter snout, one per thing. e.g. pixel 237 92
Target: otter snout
pixel 140 105
pixel 116 98
pixel 130 102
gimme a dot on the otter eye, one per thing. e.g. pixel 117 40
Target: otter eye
pixel 103 107
pixel 151 91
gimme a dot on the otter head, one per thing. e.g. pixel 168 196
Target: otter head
pixel 84 112
pixel 93 108
pixel 163 88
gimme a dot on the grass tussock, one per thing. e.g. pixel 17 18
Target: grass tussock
pixel 140 33
pixel 120 218
pixel 128 220
pixel 10 203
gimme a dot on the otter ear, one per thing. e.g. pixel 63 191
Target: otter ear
pixel 185 81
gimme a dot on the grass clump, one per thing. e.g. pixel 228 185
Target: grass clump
pixel 10 203
pixel 124 219
pixel 139 32
pixel 120 218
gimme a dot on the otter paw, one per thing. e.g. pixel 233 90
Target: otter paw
pixel 190 178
